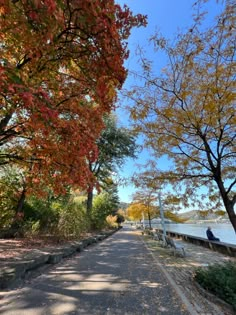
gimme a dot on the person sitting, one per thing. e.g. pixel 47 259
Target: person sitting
pixel 210 235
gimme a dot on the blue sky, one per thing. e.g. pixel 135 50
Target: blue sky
pixel 168 17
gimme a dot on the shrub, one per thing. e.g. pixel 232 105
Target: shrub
pixel 102 207
pixel 72 220
pixel 30 228
pixel 40 216
pixel 6 218
pixel 61 218
pixel 10 185
pixel 219 279
pixel 112 221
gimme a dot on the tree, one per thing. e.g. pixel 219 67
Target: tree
pixel 103 206
pixel 145 199
pixel 174 217
pixel 111 188
pixel 187 113
pixel 120 214
pixel 135 211
pixel 61 65
pixel 150 189
pixel 114 145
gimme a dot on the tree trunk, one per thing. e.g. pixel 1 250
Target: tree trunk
pixel 19 215
pixel 149 219
pixel 19 208
pixel 89 202
pixel 229 206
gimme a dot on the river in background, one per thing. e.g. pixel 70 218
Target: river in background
pixel 224 231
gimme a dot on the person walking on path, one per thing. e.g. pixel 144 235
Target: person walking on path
pixel 115 277
pixel 210 235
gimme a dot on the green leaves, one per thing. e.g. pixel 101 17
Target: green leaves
pixel 220 280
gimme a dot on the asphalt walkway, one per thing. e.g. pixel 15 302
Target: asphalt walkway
pixel 118 276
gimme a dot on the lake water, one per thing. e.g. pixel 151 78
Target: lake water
pixel 224 231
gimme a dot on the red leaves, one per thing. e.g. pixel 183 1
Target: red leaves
pixel 51 5
pixel 61 64
pixel 27 98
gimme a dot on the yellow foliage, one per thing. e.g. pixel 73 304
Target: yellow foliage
pixel 188 114
pixel 112 220
pixel 220 212
pixel 121 212
pixel 170 215
pixel 135 211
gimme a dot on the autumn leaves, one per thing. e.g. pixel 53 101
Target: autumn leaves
pixel 61 65
pixel 187 112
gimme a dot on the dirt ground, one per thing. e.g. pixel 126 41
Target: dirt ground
pixel 12 248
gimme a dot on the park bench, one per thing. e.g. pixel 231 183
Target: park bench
pixel 176 247
pixel 159 237
pixel 148 232
pixel 145 232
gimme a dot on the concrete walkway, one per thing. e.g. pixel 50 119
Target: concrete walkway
pixel 118 276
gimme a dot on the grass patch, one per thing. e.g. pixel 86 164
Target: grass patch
pixel 219 279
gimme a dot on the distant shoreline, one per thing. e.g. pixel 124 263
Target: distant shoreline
pixel 224 221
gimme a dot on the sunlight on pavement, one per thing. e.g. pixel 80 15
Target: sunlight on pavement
pixel 150 284
pixel 100 282
pixel 62 308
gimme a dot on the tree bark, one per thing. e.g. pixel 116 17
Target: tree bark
pixel 89 202
pixel 229 206
pixel 19 208
pixel 19 215
pixel 149 219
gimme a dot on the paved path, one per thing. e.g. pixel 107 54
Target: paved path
pixel 118 276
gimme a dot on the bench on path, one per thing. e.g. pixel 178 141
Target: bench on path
pixel 159 237
pixel 176 247
pixel 148 232
pixel 165 241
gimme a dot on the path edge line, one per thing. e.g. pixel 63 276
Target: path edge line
pixel 172 282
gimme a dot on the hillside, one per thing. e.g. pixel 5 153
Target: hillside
pixel 199 215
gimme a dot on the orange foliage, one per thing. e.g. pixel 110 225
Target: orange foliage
pixel 60 66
